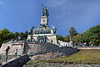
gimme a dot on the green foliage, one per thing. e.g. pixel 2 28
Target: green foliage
pixel 5 35
pixel 72 32
pixel 67 38
pixel 59 37
pixel 77 38
pixel 16 35
pixel 91 35
pixel 22 35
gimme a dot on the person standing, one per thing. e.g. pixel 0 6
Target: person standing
pixel 7 50
pixel 93 44
pixel 16 52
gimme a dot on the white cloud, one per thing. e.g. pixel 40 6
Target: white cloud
pixel 54 3
pixel 63 7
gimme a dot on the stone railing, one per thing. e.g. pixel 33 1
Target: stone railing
pixel 16 62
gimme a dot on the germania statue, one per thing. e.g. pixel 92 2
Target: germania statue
pixel 45 11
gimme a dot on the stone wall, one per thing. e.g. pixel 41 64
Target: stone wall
pixel 19 45
pixel 16 62
pixel 35 48
pixel 26 47
pixel 55 53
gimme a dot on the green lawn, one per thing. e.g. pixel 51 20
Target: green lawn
pixel 82 56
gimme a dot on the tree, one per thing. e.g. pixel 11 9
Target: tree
pixel 16 35
pixel 72 32
pixel 5 35
pixel 76 39
pixel 22 35
pixel 59 37
pixel 67 38
pixel 91 35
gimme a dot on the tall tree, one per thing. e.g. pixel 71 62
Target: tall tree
pixel 77 38
pixel 59 37
pixel 16 35
pixel 72 32
pixel 92 35
pixel 67 38
pixel 5 35
pixel 22 35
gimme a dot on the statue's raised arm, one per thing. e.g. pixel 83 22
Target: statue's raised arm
pixel 54 29
pixel 33 27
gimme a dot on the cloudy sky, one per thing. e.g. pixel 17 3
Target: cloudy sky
pixel 19 15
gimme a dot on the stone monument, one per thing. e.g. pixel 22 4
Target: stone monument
pixel 43 33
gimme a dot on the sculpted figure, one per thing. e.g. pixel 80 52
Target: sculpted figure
pixel 31 30
pixel 54 29
pixel 45 11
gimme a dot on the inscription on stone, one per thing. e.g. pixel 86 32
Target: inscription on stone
pixel 43 32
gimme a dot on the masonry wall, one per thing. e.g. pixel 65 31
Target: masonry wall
pixel 18 62
pixel 19 45
pixel 35 48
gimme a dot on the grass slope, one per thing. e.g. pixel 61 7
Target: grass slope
pixel 82 56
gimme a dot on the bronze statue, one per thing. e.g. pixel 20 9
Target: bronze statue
pixel 45 11
pixel 31 29
pixel 54 29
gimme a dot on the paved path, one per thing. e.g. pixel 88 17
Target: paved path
pixel 88 47
pixel 8 61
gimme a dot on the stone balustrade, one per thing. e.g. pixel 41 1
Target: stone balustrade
pixel 16 62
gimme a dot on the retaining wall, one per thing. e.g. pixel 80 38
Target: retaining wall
pixel 16 62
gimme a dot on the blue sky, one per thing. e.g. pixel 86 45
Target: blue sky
pixel 19 15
